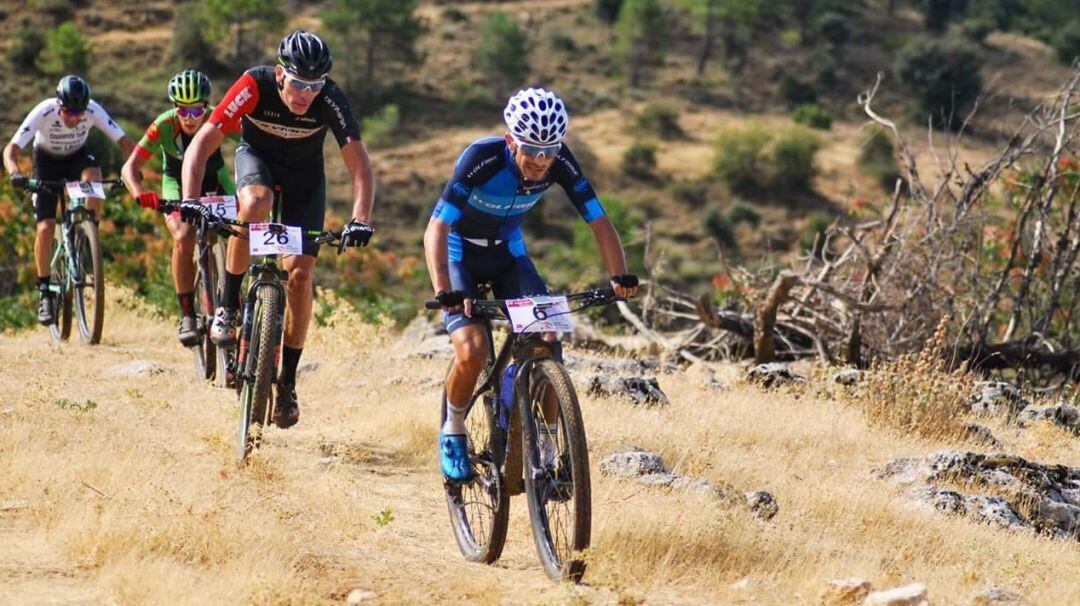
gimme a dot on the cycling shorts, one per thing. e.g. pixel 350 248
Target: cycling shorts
pixel 57 168
pixel 303 189
pixel 510 277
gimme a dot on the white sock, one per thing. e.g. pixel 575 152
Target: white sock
pixel 455 420
pixel 551 432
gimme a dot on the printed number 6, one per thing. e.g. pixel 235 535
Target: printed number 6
pixel 283 238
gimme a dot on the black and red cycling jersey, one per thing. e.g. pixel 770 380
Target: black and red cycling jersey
pixel 253 106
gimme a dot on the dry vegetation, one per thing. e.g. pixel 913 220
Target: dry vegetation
pixel 124 491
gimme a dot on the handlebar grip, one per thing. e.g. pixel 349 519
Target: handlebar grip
pixel 432 305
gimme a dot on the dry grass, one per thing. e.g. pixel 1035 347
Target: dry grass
pixel 136 501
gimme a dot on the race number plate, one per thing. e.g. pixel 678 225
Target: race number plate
pixel 77 190
pixel 222 207
pixel 275 239
pixel 540 314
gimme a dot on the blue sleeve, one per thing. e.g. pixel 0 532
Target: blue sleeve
pixel 568 174
pixel 472 166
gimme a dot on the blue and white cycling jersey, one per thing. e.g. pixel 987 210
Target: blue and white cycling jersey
pixel 487 198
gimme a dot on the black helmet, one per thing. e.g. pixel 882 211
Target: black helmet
pixel 73 93
pixel 305 54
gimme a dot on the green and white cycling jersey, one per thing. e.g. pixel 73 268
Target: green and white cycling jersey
pixel 166 135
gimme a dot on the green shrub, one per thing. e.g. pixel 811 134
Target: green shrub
pixel 813 115
pixel 57 10
pixel 834 28
pixel 189 45
pixel 454 15
pixel 1066 41
pixel 26 47
pixel 813 235
pixel 639 160
pixel 608 10
pixel 562 42
pixel 943 74
pixel 692 193
pixel 741 161
pixel 791 37
pixel 743 212
pixel 66 51
pixel 718 226
pixel 795 92
pixel 660 119
pixel 380 128
pixel 877 159
pixel 502 53
pixel 793 166
pixel 977 28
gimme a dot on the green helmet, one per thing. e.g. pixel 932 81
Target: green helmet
pixel 189 87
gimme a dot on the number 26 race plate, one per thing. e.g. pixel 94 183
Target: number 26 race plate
pixel 540 314
pixel 275 239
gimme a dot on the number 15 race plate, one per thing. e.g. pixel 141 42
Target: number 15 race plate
pixel 275 239
pixel 222 207
pixel 540 314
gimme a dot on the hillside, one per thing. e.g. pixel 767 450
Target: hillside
pixel 123 489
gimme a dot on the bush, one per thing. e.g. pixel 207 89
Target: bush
pixel 562 42
pixel 66 52
pixel 380 128
pixel 977 28
pixel 743 212
pixel 24 50
pixel 639 160
pixel 692 193
pixel 502 52
pixel 718 226
pixel 454 15
pixel 1066 42
pixel 813 115
pixel 793 166
pixel 57 10
pixel 795 92
pixel 608 10
pixel 813 235
pixel 834 28
pixel 943 75
pixel 741 160
pixel 878 160
pixel 189 46
pixel 660 119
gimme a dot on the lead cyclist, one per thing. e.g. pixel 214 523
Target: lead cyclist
pixel 474 235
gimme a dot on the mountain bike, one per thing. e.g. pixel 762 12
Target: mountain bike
pixel 211 362
pixel 77 272
pixel 255 369
pixel 522 388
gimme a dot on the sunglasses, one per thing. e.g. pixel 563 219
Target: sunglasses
pixel 72 112
pixel 190 112
pixel 535 151
pixel 301 84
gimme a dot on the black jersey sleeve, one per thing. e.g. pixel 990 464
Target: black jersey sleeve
pixel 338 115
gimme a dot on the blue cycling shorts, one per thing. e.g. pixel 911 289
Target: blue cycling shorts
pixel 510 277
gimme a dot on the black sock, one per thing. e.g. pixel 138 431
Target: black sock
pixel 187 303
pixel 289 359
pixel 43 283
pixel 231 296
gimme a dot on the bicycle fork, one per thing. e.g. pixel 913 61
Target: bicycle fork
pixel 244 371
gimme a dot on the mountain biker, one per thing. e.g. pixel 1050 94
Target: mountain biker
pixel 171 133
pixel 474 235
pixel 59 128
pixel 283 112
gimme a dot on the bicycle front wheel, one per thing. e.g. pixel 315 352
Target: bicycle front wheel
pixel 258 373
pixel 89 283
pixel 556 472
pixel 61 327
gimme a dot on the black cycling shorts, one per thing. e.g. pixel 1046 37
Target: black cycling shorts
pixel 57 168
pixel 303 189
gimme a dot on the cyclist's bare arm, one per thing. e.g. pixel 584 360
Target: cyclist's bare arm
pixel 437 254
pixel 126 145
pixel 130 174
pixel 611 250
pixel 11 158
pixel 363 179
pixel 205 143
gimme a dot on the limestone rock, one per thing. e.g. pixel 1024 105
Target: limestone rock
pixel 908 595
pixel 136 368
pixel 360 595
pixel 639 390
pixel 634 462
pixel 841 592
pixel 1062 415
pixel 773 374
pixel 307 367
pixel 995 596
pixel 847 376
pixel 981 433
pixel 997 397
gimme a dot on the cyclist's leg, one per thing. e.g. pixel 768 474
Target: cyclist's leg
pixel 183 253
pixel 301 269
pixel 88 170
pixel 255 200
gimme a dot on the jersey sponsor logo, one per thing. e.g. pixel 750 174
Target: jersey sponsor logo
pixel 284 132
pixel 238 101
pixel 568 165
pixel 337 111
pixel 480 166
pixel 501 207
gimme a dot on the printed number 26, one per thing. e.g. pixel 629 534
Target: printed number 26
pixel 282 238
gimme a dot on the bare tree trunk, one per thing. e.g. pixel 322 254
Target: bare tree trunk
pixel 710 38
pixel 765 320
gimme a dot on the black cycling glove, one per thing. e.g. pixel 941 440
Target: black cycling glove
pixel 450 298
pixel 356 233
pixel 626 281
pixel 191 211
pixel 20 182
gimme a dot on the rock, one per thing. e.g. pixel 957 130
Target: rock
pixel 997 397
pixel 433 348
pixel 773 374
pixel 416 381
pixel 713 385
pixel 981 433
pixel 908 595
pixel 360 595
pixel 7 411
pixel 137 368
pixel 763 504
pixel 1062 415
pixel 639 390
pixel 307 367
pixel 992 510
pixel 421 328
pixel 634 462
pixel 847 376
pixel 997 595
pixel 743 583
pixel 325 463
pixel 840 592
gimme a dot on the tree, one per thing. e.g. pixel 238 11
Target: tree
pixel 502 54
pixel 642 34
pixel 938 13
pixel 607 10
pixel 729 20
pixel 246 22
pixel 942 74
pixel 189 45
pixel 24 50
pixel 66 51
pixel 380 36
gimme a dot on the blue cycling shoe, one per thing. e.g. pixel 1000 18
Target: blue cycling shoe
pixel 454 462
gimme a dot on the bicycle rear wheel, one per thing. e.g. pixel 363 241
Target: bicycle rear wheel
pixel 557 486
pixel 61 328
pixel 225 356
pixel 258 374
pixel 89 283
pixel 207 289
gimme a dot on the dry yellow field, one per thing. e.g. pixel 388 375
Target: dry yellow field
pixel 133 498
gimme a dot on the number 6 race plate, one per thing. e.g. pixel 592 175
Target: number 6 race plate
pixel 540 314
pixel 275 239
pixel 222 207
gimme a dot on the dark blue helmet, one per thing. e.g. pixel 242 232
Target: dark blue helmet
pixel 73 93
pixel 305 54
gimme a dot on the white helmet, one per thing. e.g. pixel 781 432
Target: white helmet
pixel 537 116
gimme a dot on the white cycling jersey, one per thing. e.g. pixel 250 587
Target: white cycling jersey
pixel 44 126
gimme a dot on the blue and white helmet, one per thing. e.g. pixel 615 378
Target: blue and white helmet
pixel 537 116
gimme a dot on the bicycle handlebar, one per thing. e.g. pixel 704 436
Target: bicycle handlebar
pixel 496 308
pixel 36 185
pixel 226 226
